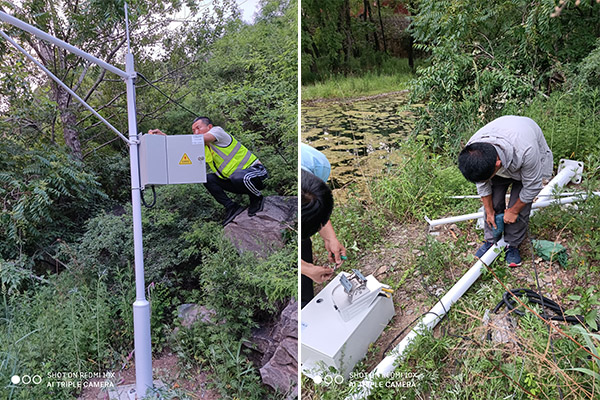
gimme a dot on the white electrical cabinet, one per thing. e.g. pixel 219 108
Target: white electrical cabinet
pixel 167 160
pixel 337 328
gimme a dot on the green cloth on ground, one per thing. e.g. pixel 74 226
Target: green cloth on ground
pixel 551 251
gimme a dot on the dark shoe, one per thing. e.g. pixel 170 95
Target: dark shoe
pixel 256 205
pixel 513 258
pixel 483 249
pixel 232 212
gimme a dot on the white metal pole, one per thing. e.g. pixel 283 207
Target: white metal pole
pixel 49 38
pixel 141 307
pixel 538 204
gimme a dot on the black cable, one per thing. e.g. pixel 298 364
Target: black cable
pixel 153 200
pixel 534 297
pixel 537 282
pixel 167 96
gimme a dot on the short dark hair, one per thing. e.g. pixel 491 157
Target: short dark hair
pixel 205 120
pixel 477 161
pixel 317 204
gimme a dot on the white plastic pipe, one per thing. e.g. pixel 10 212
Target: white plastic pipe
pixel 430 320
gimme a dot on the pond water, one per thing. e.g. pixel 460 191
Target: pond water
pixel 357 136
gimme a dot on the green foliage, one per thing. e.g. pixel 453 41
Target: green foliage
pixel 420 184
pixel 35 342
pixel 393 73
pixel 206 345
pixel 485 56
pixel 47 196
pixel 337 38
pixel 242 289
pixel 107 243
pixel 259 284
pixel 358 224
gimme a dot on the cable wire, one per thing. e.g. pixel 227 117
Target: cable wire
pixel 153 200
pixel 167 96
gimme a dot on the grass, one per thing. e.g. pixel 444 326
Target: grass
pixel 392 75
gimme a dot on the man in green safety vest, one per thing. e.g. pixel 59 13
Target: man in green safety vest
pixel 235 168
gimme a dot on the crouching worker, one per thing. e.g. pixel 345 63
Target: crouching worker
pixel 317 205
pixel 510 150
pixel 235 169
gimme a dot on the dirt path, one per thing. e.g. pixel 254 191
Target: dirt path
pixel 166 369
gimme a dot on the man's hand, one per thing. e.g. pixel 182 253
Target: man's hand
pixel 511 214
pixel 335 250
pixel 315 272
pixel 490 214
pixel 156 132
pixel 510 217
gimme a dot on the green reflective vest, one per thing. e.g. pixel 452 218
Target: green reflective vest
pixel 224 161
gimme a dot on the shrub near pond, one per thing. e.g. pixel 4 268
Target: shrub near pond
pixel 420 185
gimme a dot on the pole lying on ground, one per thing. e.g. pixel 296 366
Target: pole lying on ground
pixel 431 318
pixel 141 307
pixel 568 170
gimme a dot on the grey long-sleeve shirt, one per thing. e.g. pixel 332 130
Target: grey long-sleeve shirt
pixel 523 151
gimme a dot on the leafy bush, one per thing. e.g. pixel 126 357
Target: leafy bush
pixel 420 185
pixel 485 56
pixel 47 195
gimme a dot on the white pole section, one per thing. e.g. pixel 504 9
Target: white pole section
pixel 49 38
pixel 538 204
pixel 68 89
pixel 431 318
pixel 141 307
pixel 568 170
pixel 388 364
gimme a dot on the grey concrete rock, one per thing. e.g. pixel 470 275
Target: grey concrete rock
pixel 190 313
pixel 263 233
pixel 277 348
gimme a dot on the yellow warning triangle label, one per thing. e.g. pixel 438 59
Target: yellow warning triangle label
pixel 185 160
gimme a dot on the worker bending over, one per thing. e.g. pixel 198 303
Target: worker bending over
pixel 510 150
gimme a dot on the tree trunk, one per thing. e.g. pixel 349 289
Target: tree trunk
pixel 68 119
pixel 375 39
pixel 411 56
pixel 381 25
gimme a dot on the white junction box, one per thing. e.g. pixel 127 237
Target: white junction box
pixel 167 160
pixel 340 323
